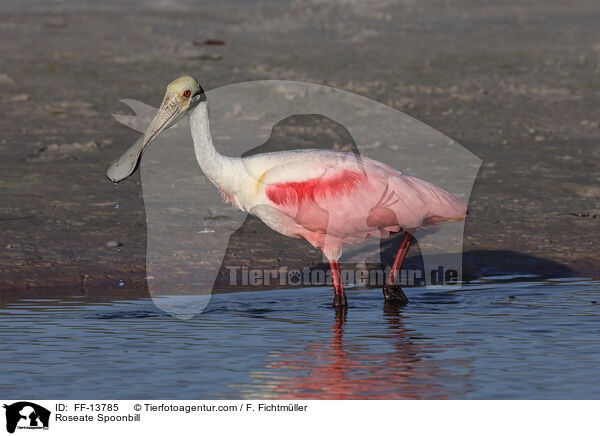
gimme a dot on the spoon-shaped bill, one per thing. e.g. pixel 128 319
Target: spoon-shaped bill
pixel 125 166
pixel 168 114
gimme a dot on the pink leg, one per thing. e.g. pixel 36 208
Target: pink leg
pixel 392 290
pixel 393 277
pixel 340 296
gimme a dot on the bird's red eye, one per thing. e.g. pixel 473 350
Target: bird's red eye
pixel 187 93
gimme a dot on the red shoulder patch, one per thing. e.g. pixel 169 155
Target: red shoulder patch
pixel 293 193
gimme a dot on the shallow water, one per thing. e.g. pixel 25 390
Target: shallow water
pixel 495 338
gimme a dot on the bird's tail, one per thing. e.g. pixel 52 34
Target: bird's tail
pixel 440 205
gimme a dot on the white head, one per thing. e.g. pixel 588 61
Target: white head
pixel 182 95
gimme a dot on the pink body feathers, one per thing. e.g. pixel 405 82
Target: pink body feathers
pixel 332 198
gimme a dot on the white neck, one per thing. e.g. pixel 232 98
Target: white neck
pixel 218 168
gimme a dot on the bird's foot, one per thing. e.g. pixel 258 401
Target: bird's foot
pixel 340 315
pixel 339 300
pixel 394 294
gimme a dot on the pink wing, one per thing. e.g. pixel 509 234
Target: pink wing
pixel 354 197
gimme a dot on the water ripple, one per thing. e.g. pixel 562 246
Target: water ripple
pixel 510 337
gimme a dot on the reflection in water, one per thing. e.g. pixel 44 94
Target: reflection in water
pixel 337 370
pixel 494 339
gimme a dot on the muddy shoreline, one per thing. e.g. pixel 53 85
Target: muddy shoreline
pixel 517 84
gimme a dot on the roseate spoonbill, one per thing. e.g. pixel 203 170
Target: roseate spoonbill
pixel 330 198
